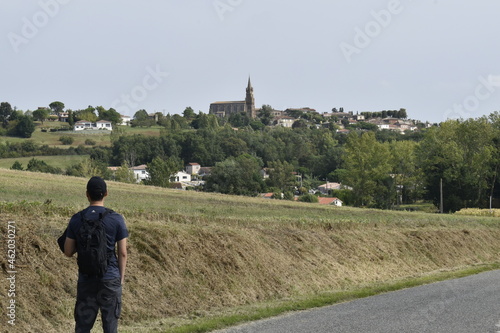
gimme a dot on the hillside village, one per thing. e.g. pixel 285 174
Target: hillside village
pixel 193 175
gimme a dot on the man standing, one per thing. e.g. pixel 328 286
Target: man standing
pixel 99 291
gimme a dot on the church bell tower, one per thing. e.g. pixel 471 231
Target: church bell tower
pixel 250 101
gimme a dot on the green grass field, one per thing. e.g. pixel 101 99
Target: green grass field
pixel 202 261
pixel 102 138
pixel 62 161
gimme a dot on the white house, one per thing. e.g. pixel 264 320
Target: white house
pixel 384 126
pixel 104 124
pixel 125 120
pixel 325 188
pixel 193 168
pixel 181 176
pixel 140 172
pixel 82 125
pixel 285 121
pixel 87 125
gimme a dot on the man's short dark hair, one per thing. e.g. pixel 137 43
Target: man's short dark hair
pixel 96 188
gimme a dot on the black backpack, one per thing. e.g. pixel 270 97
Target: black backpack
pixel 92 246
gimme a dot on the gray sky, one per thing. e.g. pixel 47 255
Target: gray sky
pixel 438 59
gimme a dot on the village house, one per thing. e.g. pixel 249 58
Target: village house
pixel 326 188
pixel 125 120
pixel 193 168
pixel 104 124
pixel 181 176
pixel 87 125
pixel 284 121
pixel 205 171
pixel 140 172
pixel 82 125
pixel 330 201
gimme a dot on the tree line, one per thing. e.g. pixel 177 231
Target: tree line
pixel 379 168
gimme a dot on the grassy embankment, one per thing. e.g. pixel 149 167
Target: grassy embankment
pixel 200 261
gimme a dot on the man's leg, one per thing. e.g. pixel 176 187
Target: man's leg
pixel 86 307
pixel 110 302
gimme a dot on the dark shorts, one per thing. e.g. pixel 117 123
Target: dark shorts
pixel 93 295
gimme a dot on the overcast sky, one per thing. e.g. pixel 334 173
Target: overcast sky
pixel 438 59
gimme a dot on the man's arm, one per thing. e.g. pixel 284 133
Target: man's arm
pixel 69 247
pixel 122 258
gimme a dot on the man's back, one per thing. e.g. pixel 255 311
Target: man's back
pixel 116 230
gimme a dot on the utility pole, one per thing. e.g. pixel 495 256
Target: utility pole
pixel 441 196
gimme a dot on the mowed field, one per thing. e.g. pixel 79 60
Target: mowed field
pixel 101 138
pixel 200 261
pixel 60 161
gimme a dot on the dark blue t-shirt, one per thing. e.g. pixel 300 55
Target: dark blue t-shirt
pixel 116 230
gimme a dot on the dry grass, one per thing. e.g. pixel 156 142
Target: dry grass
pixel 193 254
pixel 479 212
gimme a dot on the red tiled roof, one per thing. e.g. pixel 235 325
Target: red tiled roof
pixel 325 201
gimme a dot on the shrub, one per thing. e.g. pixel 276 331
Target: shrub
pixel 90 142
pixel 308 198
pixel 17 166
pixel 66 140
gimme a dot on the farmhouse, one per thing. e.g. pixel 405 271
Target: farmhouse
pixel 140 172
pixel 330 201
pixel 87 125
pixel 326 188
pixel 193 168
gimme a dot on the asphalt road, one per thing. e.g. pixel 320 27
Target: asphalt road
pixel 465 305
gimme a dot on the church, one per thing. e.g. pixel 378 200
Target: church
pixel 225 109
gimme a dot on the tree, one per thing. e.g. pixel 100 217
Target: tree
pixel 41 114
pixel 401 114
pixel 35 165
pixel 17 166
pixel 239 176
pixel 5 113
pixel 87 114
pixel 301 123
pixel 295 113
pixel 57 106
pixel 367 165
pixel 110 115
pixel 239 119
pixel 408 176
pixel 71 118
pixel 24 127
pixel 281 175
pixel 141 115
pixel 203 120
pixel 266 114
pixel 161 170
pixel 189 113
pixel 465 161
pixel 124 174
pixel 66 139
pixel 308 198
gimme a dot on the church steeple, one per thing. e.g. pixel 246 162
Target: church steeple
pixel 250 101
